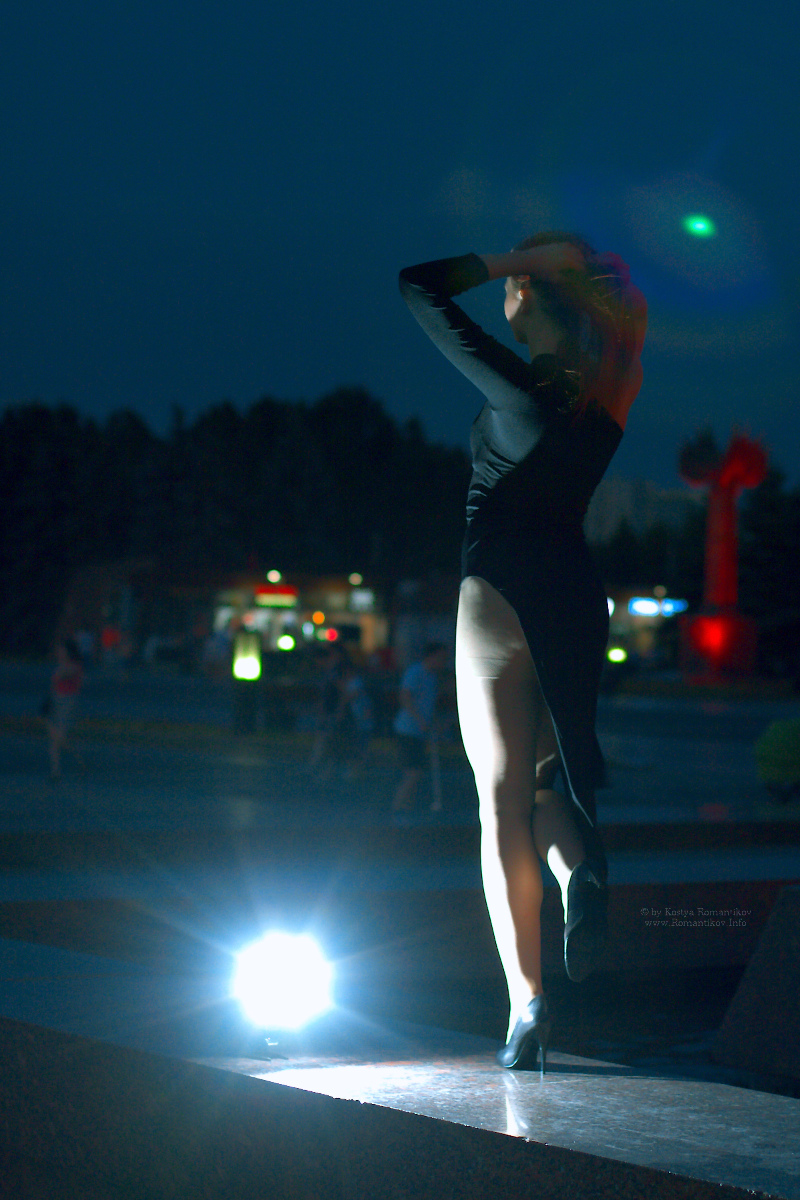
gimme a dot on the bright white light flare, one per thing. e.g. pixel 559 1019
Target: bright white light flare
pixel 282 981
pixel 247 666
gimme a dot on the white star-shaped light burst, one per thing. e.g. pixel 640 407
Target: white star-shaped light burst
pixel 282 981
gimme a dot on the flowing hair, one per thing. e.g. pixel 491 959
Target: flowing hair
pixel 589 307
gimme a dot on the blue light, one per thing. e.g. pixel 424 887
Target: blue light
pixel 643 606
pixel 670 607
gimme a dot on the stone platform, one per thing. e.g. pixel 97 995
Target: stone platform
pixel 127 888
pixel 412 1113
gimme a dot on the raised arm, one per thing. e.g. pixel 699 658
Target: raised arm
pixel 545 262
pixel 428 289
pixel 600 286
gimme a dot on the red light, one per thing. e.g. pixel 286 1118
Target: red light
pixel 332 634
pixel 726 641
pixel 711 636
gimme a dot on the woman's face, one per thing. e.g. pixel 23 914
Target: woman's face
pixel 516 305
pixel 529 323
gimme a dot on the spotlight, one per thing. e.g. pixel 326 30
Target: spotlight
pixel 282 981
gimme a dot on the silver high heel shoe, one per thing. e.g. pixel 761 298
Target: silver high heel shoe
pixel 586 926
pixel 530 1034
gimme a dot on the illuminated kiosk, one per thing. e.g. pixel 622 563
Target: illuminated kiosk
pixel 719 636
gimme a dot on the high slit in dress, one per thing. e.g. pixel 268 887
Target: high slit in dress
pixel 535 466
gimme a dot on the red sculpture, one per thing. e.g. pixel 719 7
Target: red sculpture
pixel 721 637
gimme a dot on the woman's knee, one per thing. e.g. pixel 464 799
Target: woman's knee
pixel 506 800
pixel 546 771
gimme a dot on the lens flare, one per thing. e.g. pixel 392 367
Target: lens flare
pixel 699 226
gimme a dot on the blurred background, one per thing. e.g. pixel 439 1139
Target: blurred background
pixel 205 362
pixel 225 448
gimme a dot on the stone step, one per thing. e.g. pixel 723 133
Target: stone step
pixel 418 1113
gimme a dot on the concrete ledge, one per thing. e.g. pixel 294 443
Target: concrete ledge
pixel 760 1029
pixel 86 1118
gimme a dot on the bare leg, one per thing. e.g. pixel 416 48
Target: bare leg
pixel 556 838
pixel 55 743
pixel 406 795
pixel 507 730
pixel 555 834
pixel 319 749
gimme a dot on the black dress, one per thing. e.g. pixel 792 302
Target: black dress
pixel 536 463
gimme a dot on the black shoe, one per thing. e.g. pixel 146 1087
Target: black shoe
pixel 531 1033
pixel 586 925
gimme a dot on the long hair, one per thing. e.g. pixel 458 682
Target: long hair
pixel 589 307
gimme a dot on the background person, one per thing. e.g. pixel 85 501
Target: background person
pixel 331 703
pixel 61 704
pixel 532 617
pixel 413 725
pixel 358 705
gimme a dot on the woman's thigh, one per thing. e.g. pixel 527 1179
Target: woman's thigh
pixel 505 722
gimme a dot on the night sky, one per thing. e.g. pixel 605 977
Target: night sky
pixel 212 201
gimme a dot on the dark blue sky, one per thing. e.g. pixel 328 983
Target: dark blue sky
pixel 211 201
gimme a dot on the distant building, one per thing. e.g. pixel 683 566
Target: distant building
pixel 160 609
pixel 639 503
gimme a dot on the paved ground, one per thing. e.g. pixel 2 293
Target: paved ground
pixel 173 841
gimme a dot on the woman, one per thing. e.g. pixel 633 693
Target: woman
pixel 60 706
pixel 532 616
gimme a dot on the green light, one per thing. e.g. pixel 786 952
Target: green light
pixel 247 666
pixel 247 655
pixel 699 226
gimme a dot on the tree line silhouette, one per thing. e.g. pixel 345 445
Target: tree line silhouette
pixel 328 487
pixel 325 487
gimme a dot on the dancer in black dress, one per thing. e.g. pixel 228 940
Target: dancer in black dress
pixel 533 617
